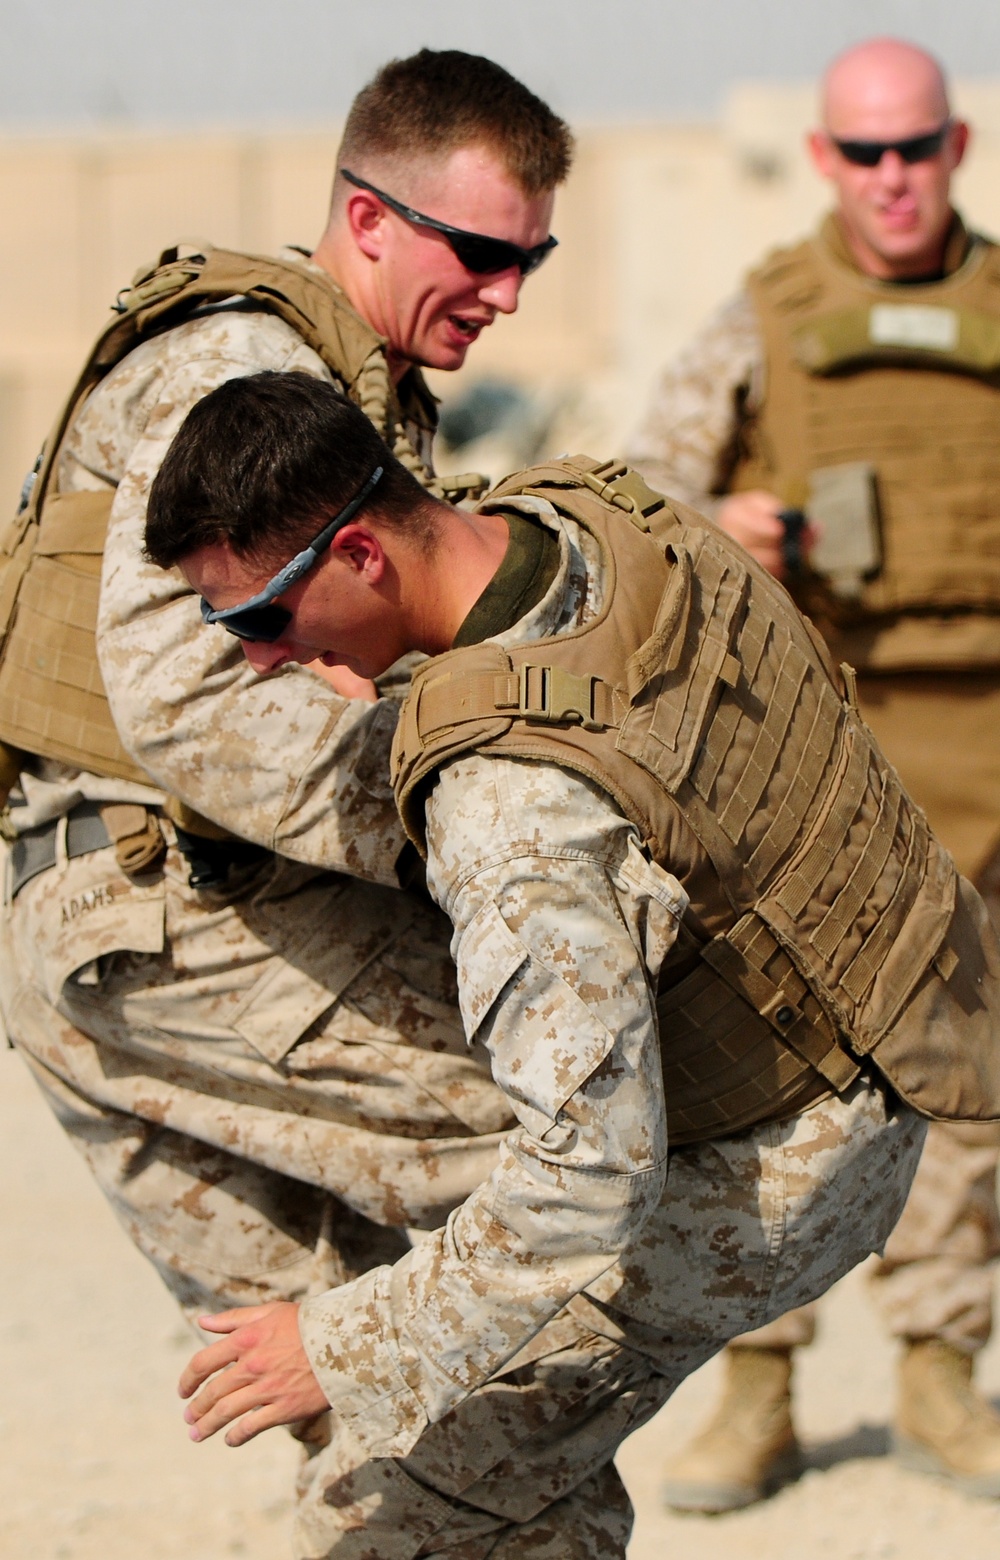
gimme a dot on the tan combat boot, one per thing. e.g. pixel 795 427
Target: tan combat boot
pixel 943 1425
pixel 748 1447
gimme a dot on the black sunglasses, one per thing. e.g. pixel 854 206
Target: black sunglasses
pixel 259 619
pixel 477 251
pixel 918 148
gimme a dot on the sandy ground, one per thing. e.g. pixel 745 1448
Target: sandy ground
pixel 94 1464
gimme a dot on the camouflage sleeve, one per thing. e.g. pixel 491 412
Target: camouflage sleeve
pixel 282 761
pixel 686 445
pixel 556 944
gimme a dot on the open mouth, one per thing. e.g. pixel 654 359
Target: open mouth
pixel 468 328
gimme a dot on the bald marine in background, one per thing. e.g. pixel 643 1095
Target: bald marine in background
pixel 854 378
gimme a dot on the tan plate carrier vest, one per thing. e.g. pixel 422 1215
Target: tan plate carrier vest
pixel 908 378
pixel 52 698
pixel 826 924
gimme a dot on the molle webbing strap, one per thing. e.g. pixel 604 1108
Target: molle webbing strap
pixel 745 957
pixel 867 870
pixel 857 979
pixel 744 1040
pixel 812 761
pixel 855 893
pixel 802 884
pixel 763 759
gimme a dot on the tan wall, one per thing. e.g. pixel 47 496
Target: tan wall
pixel 655 227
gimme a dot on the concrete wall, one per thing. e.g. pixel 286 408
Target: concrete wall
pixel 655 227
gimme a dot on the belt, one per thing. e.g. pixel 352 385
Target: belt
pixel 138 843
pixel 34 851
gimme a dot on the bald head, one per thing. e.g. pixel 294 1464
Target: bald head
pixel 893 197
pixel 871 89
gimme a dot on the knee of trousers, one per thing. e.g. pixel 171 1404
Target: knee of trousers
pixel 506 1456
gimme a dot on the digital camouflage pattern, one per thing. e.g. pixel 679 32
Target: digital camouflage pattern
pixel 231 1063
pixel 184 699
pixel 584 1231
pixel 686 444
pixel 745 1228
pixel 935 1280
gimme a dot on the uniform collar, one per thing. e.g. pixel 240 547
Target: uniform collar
pixel 956 250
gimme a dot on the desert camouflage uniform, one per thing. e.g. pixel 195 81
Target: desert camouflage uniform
pixel 256 1073
pixel 481 1385
pixel 934 1280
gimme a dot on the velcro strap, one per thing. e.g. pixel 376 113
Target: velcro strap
pixel 135 833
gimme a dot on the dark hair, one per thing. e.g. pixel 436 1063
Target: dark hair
pixel 262 461
pixel 439 100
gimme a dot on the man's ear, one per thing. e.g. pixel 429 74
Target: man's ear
pixel 959 134
pixel 820 152
pixel 362 552
pixel 365 217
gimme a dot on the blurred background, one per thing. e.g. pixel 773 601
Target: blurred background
pixel 127 124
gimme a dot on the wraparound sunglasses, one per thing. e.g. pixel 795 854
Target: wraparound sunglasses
pixel 477 251
pixel 260 619
pixel 917 148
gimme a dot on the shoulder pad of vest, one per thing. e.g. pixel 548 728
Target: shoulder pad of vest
pixel 613 481
pixel 991 255
pixel 310 301
pixel 788 276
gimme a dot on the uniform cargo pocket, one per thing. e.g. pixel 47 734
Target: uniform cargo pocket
pixel 78 912
pixel 327 939
pixel 552 1042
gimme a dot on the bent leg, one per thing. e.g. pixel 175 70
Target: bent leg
pixel 747 1228
pixel 522 1468
pixel 219 1230
pixel 933 1280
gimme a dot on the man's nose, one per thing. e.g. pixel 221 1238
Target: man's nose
pixel 892 168
pixel 265 658
pixel 500 290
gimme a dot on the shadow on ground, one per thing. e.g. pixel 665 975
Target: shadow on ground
pixel 865 1441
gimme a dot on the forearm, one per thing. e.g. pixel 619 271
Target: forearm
pixel 686 441
pixel 555 951
pixel 286 761
pixel 283 761
pixel 398 1348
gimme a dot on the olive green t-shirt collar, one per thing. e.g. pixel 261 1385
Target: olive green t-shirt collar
pixel 528 568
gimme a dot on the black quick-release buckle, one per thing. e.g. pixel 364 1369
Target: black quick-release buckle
pixel 210 861
pixel 549 695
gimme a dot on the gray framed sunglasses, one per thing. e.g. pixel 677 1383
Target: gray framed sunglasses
pixel 259 618
pixel 477 251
